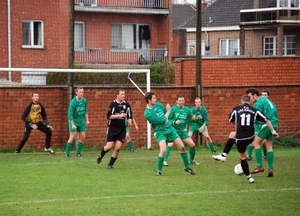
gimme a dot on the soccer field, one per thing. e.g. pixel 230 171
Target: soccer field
pixel 43 184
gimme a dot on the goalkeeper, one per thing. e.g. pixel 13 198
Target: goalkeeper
pixel 35 117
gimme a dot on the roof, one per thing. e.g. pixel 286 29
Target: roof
pixel 223 13
pixel 182 14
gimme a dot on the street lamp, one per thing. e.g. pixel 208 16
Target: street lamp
pixel 207 47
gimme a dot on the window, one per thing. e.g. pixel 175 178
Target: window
pixel 32 34
pixel 270 45
pixel 129 36
pixel 229 47
pixel 191 47
pixel 79 36
pixel 288 3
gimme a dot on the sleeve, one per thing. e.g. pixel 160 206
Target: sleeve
pixel 86 107
pixel 171 116
pixel 260 117
pixel 44 114
pixel 71 111
pixel 110 110
pixel 232 116
pixel 154 119
pixel 205 116
pixel 129 112
pixel 25 113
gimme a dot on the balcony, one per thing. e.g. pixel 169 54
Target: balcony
pixel 270 16
pixel 124 6
pixel 124 56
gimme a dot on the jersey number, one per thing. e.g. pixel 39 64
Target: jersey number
pixel 245 119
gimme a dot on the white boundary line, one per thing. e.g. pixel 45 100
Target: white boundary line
pixel 147 195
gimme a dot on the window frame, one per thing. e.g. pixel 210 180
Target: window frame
pixel 80 49
pixel 284 46
pixel 32 37
pixel 227 48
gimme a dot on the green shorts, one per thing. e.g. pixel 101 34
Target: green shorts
pixel 168 135
pixel 265 133
pixel 127 129
pixel 182 134
pixel 80 128
pixel 195 128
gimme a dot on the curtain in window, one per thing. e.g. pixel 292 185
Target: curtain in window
pixel 233 47
pixel 78 36
pixel 127 36
pixel 26 33
pixel 116 36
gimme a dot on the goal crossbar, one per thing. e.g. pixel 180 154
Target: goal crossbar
pixel 129 71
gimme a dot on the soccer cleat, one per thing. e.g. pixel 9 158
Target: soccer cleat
pixel 132 150
pixel 16 152
pixel 251 180
pixel 257 170
pixel 67 155
pixel 99 158
pixel 214 151
pixel 270 173
pixel 219 157
pixel 249 158
pixel 109 166
pixel 190 170
pixel 49 150
pixel 194 162
pixel 265 158
pixel 165 163
pixel 159 173
pixel 79 155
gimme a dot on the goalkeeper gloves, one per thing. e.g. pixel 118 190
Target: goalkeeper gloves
pixel 50 127
pixel 33 126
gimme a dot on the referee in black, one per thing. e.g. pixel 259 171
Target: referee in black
pixel 119 110
pixel 244 117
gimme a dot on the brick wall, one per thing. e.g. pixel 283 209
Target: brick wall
pixel 223 84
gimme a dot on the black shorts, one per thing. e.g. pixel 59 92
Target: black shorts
pixel 242 144
pixel 115 133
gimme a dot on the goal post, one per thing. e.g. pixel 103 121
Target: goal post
pixel 44 71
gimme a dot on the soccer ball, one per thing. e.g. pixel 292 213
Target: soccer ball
pixel 238 169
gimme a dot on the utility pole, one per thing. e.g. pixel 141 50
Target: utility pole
pixel 198 84
pixel 71 51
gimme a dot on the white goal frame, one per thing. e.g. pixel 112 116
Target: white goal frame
pixel 129 71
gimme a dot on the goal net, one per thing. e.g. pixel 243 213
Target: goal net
pixel 88 78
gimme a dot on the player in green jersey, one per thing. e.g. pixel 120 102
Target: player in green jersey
pixel 77 121
pixel 128 138
pixel 157 116
pixel 179 117
pixel 268 108
pixel 200 126
pixel 266 94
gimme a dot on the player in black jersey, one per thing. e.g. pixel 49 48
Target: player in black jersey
pixel 119 110
pixel 244 117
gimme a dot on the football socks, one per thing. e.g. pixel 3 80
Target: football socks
pixel 68 148
pixel 212 147
pixel 228 146
pixel 79 148
pixel 130 145
pixel 185 159
pixel 192 153
pixel 258 155
pixel 160 161
pixel 249 150
pixel 270 158
pixel 168 151
pixel 245 167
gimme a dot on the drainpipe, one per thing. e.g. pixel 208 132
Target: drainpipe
pixel 8 39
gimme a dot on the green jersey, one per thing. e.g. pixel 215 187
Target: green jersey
pixel 268 108
pixel 199 112
pixel 183 114
pixel 156 117
pixel 77 111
